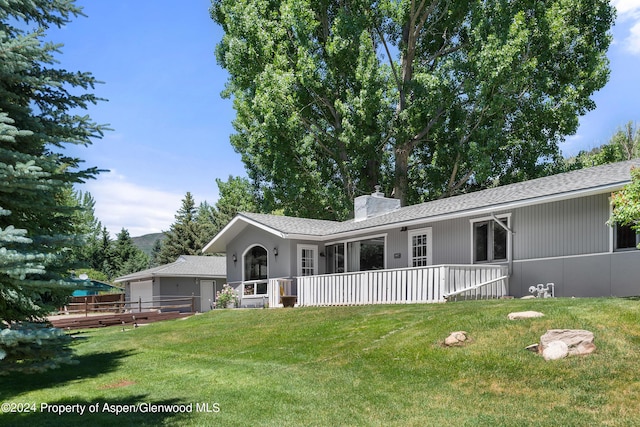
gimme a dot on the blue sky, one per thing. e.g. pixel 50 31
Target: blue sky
pixel 171 127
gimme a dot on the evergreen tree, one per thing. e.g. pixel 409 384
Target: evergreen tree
pixel 38 117
pixel 155 253
pixel 236 195
pixel 183 235
pixel 125 257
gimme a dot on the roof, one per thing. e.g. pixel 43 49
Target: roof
pixel 184 266
pixel 582 182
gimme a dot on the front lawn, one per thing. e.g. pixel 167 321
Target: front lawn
pixel 373 365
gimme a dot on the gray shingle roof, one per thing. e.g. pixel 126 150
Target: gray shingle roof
pixel 184 266
pixel 561 185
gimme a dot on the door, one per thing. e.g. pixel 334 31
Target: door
pixel 207 294
pixel 420 247
pixel 307 260
pixel 141 295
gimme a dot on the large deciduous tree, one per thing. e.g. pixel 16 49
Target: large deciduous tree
pixel 427 98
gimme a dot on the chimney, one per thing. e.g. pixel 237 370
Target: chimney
pixel 373 205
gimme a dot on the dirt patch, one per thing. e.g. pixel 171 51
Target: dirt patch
pixel 121 383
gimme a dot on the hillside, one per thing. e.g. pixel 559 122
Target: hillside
pixel 146 242
pixel 349 366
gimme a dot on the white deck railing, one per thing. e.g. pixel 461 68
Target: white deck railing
pixel 398 286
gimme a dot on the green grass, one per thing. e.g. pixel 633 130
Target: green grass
pixel 374 365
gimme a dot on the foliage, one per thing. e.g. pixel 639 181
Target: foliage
pixel 428 99
pixel 38 117
pixel 623 145
pixel 183 235
pixel 125 257
pixel 226 296
pixel 33 348
pixel 381 365
pixel 626 203
pixel 236 195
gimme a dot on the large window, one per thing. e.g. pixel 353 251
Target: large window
pixel 360 255
pixel 626 237
pixel 335 258
pixel 490 240
pixel 255 271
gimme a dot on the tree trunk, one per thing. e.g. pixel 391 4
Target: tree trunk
pixel 401 175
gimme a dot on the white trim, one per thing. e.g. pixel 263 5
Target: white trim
pixel 244 279
pixel 313 248
pixel 566 256
pixel 428 231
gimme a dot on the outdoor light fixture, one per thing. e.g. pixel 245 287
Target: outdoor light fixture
pixel 275 251
pixel 234 257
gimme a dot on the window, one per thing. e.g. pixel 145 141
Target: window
pixel 356 255
pixel 626 237
pixel 420 245
pixel 490 240
pixel 335 258
pixel 365 255
pixel 255 271
pixel 307 260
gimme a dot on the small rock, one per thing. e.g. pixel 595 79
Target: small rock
pixel 455 338
pixel 555 350
pixel 533 347
pixel 524 315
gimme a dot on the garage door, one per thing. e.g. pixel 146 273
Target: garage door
pixel 142 291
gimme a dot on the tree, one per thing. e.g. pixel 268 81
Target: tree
pixel 427 98
pixel 623 145
pixel 38 117
pixel 626 203
pixel 183 235
pixel 235 195
pixel 125 257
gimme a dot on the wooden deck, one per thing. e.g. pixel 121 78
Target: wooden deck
pixel 103 320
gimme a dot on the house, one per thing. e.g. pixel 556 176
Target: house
pixel 497 241
pixel 174 283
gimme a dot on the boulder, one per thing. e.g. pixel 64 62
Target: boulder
pixel 455 338
pixel 524 315
pixel 578 341
pixel 555 350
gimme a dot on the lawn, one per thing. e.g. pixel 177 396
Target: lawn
pixel 371 365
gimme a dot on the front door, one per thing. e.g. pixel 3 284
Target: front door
pixel 307 260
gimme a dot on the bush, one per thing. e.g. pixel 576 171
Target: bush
pixel 226 296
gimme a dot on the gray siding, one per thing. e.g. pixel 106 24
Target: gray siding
pixel 611 274
pixel 279 266
pixel 569 227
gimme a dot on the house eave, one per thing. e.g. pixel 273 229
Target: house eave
pixel 466 212
pixel 230 231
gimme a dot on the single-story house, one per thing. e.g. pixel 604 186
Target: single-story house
pixel 172 284
pixel 499 241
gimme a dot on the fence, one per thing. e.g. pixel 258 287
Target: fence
pixel 399 286
pixel 90 304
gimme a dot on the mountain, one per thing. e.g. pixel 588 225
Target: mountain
pixel 146 242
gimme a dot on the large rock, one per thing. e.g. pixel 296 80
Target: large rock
pixel 524 315
pixel 578 341
pixel 555 350
pixel 455 338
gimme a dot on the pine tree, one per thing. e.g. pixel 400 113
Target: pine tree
pixel 125 257
pixel 183 235
pixel 38 117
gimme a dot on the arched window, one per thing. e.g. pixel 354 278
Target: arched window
pixel 255 271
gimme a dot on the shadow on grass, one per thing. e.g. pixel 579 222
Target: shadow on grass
pixel 90 365
pixel 136 410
